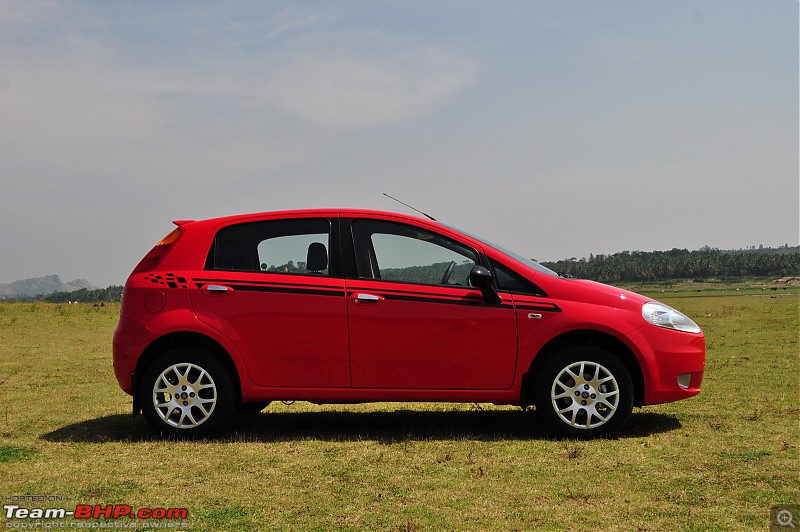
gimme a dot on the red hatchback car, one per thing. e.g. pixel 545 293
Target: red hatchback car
pixel 351 306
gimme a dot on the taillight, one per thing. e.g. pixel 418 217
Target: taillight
pixel 157 254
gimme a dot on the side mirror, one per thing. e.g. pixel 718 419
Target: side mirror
pixel 481 278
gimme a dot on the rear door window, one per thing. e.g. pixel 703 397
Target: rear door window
pixel 299 247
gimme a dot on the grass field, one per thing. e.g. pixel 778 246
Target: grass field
pixel 715 462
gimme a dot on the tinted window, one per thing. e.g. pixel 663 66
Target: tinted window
pixel 516 256
pixel 282 246
pixel 404 253
pixel 510 281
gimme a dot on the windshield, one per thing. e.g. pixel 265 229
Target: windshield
pixel 516 256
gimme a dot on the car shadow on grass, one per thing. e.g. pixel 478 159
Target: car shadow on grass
pixel 385 427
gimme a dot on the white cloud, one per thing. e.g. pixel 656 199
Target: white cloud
pixel 83 108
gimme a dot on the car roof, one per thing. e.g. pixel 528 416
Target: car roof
pixel 345 213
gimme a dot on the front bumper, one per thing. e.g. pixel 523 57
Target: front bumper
pixel 673 363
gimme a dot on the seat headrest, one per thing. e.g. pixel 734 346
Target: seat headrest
pixel 317 257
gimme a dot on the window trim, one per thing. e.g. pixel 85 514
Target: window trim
pixel 354 263
pixel 333 247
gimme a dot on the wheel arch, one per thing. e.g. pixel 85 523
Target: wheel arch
pixel 587 337
pixel 185 339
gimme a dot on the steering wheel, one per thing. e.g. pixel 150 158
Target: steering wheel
pixel 448 272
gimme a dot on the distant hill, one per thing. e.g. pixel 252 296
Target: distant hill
pixel 42 285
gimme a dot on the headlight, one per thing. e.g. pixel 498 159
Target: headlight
pixel 668 317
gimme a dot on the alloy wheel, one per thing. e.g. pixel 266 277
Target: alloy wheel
pixel 585 395
pixel 184 395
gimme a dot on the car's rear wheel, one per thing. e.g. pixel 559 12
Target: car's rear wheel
pixel 186 392
pixel 584 392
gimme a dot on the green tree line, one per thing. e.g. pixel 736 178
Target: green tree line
pixel 705 263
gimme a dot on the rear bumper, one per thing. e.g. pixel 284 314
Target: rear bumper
pixel 129 342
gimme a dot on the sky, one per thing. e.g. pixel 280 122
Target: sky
pixel 556 128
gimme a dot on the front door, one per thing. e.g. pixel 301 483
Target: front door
pixel 415 323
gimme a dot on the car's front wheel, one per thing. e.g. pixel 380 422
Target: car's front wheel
pixel 584 392
pixel 186 392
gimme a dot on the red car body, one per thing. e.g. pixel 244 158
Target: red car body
pixel 358 331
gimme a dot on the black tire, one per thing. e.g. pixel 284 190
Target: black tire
pixel 604 389
pixel 186 392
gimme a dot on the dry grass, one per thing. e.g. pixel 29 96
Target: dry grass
pixel 718 461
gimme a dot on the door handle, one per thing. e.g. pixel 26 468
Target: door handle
pixel 367 298
pixel 216 289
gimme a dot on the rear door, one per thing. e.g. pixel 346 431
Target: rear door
pixel 275 289
pixel 415 323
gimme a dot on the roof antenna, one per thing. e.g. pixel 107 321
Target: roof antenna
pixel 410 207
